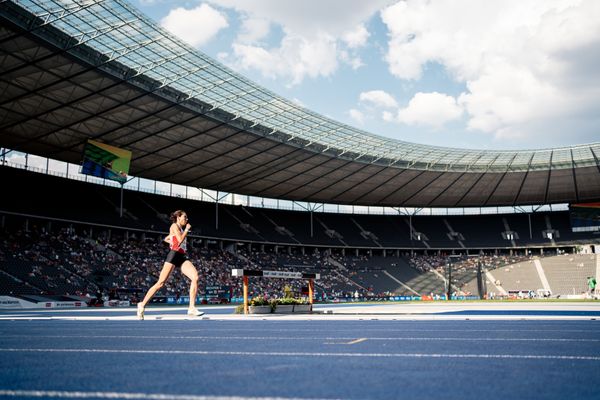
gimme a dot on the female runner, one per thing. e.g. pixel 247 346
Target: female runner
pixel 176 258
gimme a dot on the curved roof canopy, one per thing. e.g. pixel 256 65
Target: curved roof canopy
pixel 93 69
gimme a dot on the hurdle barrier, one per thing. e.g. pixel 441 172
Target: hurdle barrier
pixel 246 273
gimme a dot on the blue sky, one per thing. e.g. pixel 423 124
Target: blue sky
pixel 470 73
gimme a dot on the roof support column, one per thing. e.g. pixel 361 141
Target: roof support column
pixel 216 200
pixel 310 207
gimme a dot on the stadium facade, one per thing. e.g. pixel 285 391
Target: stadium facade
pixel 78 70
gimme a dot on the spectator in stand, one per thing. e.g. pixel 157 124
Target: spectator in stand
pixel 591 281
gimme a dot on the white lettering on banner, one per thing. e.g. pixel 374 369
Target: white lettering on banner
pixel 9 302
pixel 117 303
pixel 272 274
pixel 14 302
pixel 282 274
pixel 65 304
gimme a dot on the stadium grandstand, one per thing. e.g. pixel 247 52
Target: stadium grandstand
pixel 101 72
pixel 436 271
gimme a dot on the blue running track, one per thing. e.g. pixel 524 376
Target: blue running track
pixel 307 359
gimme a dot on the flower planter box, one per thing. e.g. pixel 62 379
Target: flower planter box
pixel 284 309
pixel 292 308
pixel 259 309
pixel 302 308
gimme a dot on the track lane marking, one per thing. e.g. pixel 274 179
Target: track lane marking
pixel 357 341
pixel 407 338
pixel 306 354
pixel 129 395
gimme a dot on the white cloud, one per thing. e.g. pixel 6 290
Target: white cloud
pixel 195 26
pixel 430 109
pixel 253 30
pixel 309 17
pixel 425 109
pixel 387 116
pixel 355 62
pixel 315 35
pixel 378 98
pixel 526 64
pixel 509 96
pixel 357 37
pixel 357 116
pixel 295 58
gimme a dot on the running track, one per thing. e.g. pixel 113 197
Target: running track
pixel 308 359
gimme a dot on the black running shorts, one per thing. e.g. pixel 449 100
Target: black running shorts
pixel 176 258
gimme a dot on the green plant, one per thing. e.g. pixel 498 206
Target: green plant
pixel 287 301
pixel 239 309
pixel 259 301
pixel 287 292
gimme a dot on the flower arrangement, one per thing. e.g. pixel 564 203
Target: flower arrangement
pixel 256 301
pixel 287 301
pixel 291 300
pixel 259 301
pixel 262 301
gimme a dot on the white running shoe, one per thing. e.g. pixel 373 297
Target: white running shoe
pixel 140 311
pixel 194 312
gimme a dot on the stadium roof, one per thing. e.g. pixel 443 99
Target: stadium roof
pixel 78 70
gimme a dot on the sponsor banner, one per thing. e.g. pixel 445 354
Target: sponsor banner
pixel 424 298
pixel 13 303
pixel 274 274
pixel 217 294
pixel 282 274
pixel 116 303
pixel 465 297
pixel 159 300
pixel 64 304
pixel 9 302
pixel 178 300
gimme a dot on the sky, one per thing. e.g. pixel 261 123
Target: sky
pixel 493 74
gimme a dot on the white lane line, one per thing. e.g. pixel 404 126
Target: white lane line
pixel 594 326
pixel 407 338
pixel 307 354
pixel 357 341
pixel 121 395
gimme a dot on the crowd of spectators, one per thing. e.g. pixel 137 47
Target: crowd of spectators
pixel 70 262
pixel 425 263
pixel 73 261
